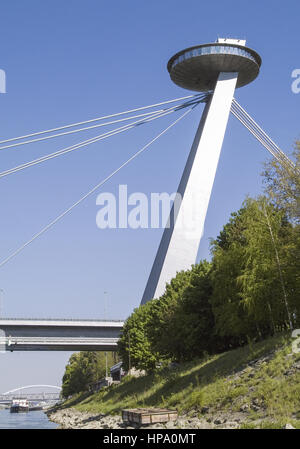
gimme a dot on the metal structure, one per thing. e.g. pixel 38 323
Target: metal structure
pixel 6 399
pixel 220 67
pixel 8 396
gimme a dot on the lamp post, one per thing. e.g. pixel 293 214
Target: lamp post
pixel 105 317
pixel 129 355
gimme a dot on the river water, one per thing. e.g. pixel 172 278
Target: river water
pixel 28 420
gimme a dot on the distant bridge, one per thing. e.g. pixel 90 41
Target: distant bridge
pixel 59 335
pixel 8 396
pixel 6 399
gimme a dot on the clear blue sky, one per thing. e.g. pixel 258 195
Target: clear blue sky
pixel 71 61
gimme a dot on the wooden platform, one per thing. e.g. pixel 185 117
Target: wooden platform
pixel 148 415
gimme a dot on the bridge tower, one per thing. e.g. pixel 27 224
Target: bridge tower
pixel 217 68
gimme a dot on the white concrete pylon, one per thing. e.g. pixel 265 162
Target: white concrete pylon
pixel 180 241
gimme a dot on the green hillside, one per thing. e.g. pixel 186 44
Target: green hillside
pixel 259 383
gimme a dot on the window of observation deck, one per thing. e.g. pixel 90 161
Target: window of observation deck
pixel 213 49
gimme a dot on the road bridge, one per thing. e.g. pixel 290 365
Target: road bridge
pixel 59 335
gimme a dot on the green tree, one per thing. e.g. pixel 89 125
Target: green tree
pixel 184 322
pixel 134 346
pixel 264 280
pixel 166 322
pixel 83 369
pixel 283 190
pixel 283 185
pixel 249 275
pixel 177 326
pixel 232 322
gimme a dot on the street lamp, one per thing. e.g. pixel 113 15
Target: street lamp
pixel 105 317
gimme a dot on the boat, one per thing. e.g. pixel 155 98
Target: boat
pixel 35 407
pixel 19 405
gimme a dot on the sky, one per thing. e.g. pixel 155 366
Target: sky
pixel 72 61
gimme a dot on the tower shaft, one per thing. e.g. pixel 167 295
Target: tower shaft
pixel 180 241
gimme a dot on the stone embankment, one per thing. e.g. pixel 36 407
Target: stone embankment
pixel 73 419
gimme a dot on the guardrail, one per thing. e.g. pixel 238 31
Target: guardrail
pixel 57 340
pixel 62 319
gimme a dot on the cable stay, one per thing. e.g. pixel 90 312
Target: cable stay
pixel 257 129
pixel 262 137
pixel 154 115
pixel 96 187
pixel 197 96
pixel 146 114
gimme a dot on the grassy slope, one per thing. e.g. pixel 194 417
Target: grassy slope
pixel 260 378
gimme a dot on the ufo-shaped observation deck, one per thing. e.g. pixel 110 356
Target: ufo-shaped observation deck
pixel 197 68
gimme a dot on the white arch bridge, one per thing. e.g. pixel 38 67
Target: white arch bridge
pixel 8 396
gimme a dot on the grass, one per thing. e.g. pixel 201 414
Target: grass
pixel 223 383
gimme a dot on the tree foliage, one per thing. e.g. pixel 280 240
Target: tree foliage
pixel 283 186
pixel 134 345
pixel 250 279
pixel 83 369
pixel 249 290
pixel 177 326
pixel 182 324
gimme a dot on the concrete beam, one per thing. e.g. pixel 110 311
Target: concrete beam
pixel 59 335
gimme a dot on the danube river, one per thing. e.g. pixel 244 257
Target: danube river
pixel 27 420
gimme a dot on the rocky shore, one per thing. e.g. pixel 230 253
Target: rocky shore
pixel 73 419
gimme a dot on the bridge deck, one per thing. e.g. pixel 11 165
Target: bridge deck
pixel 59 335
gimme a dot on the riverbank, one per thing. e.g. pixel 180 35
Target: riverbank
pixel 74 419
pixel 256 386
